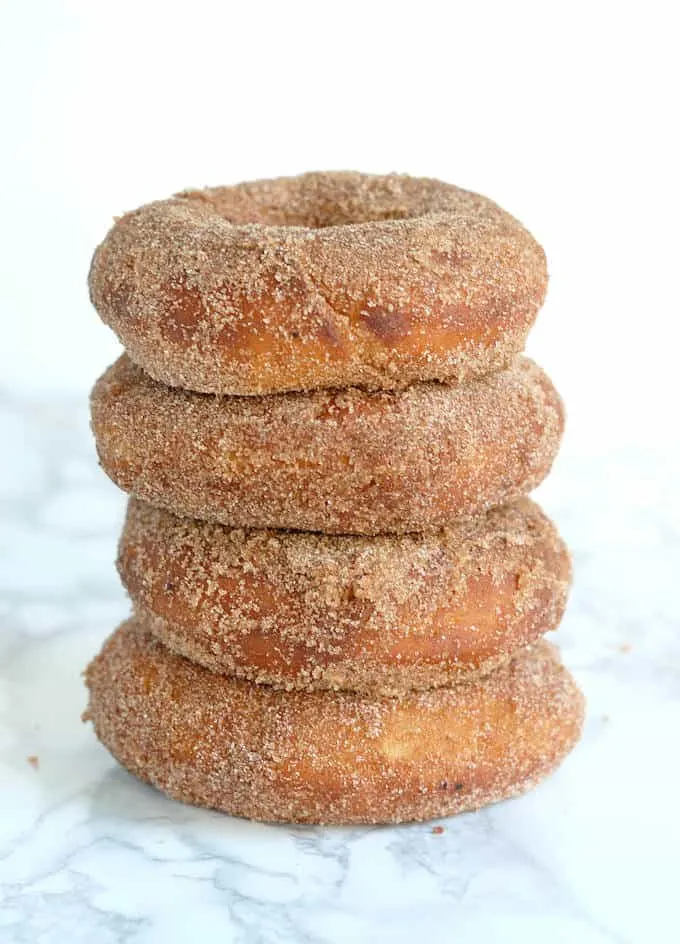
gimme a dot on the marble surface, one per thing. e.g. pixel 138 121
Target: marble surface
pixel 87 854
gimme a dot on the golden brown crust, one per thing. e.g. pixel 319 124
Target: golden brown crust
pixel 330 757
pixel 382 615
pixel 330 461
pixel 317 281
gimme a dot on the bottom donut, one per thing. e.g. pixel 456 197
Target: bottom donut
pixel 330 757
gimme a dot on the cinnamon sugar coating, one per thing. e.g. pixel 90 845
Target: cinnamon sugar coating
pixel 323 280
pixel 338 462
pixel 330 757
pixel 381 615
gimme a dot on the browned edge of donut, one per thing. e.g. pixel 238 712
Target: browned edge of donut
pixel 381 614
pixel 318 281
pixel 330 461
pixel 330 757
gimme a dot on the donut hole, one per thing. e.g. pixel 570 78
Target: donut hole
pixel 324 201
pixel 326 218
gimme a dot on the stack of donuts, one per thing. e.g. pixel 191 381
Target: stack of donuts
pixel 328 433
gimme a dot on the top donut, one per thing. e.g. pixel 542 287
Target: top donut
pixel 322 280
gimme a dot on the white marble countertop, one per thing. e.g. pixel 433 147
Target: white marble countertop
pixel 88 854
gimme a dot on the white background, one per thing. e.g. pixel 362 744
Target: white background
pixel 565 114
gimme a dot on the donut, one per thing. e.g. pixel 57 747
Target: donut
pixel 329 757
pixel 347 461
pixel 323 280
pixel 382 614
